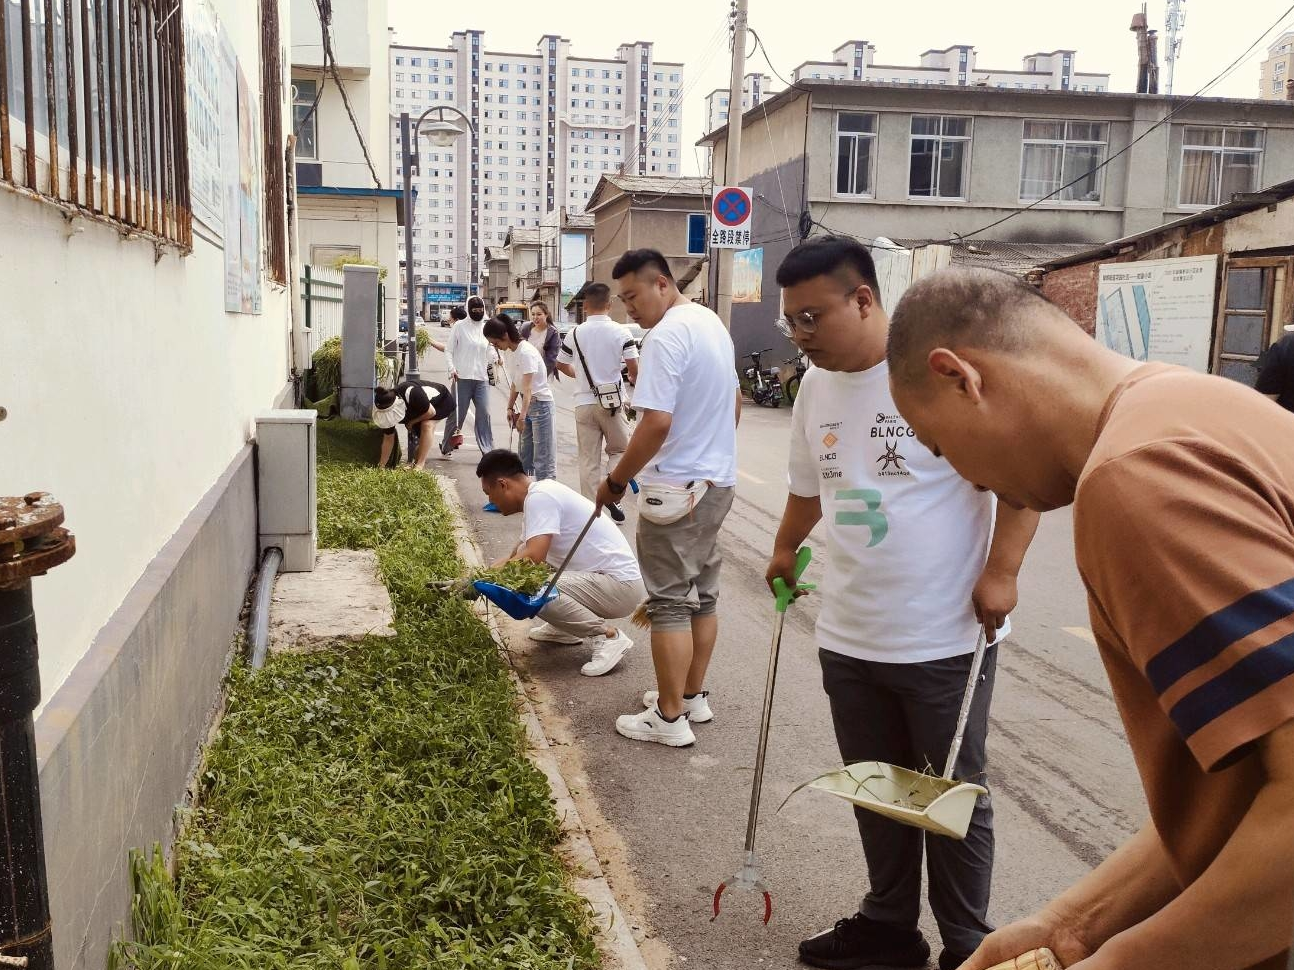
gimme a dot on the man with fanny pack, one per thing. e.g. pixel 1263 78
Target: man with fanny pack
pixel 684 454
pixel 592 354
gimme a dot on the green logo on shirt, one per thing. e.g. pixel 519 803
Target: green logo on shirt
pixel 874 519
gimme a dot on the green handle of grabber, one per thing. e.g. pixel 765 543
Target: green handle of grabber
pixel 786 594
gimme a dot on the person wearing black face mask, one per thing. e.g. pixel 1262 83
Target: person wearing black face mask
pixel 468 355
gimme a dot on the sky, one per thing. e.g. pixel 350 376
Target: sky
pixel 692 31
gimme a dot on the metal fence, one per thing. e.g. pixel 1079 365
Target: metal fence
pixel 92 109
pixel 321 299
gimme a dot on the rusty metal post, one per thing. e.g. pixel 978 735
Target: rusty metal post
pixel 31 542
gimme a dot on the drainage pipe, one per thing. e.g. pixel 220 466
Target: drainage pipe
pixel 260 621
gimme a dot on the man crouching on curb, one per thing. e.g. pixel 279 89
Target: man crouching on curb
pixel 602 581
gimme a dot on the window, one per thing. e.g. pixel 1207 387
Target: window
pixel 1251 291
pixel 1057 153
pixel 938 156
pixel 399 76
pixel 415 78
pixel 399 61
pixel 1217 163
pixel 415 62
pixel 855 153
pixel 304 121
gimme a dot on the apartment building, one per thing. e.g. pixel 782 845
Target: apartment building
pixel 548 124
pixel 1276 68
pixel 953 66
pixel 754 89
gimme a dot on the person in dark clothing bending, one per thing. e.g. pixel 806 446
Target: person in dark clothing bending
pixel 413 407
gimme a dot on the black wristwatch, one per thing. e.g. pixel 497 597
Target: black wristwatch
pixel 616 489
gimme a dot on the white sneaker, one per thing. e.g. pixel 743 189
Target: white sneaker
pixel 696 708
pixel 607 652
pixel 547 633
pixel 650 726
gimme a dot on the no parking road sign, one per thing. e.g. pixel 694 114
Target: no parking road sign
pixel 731 212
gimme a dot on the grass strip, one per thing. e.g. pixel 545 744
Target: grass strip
pixel 369 806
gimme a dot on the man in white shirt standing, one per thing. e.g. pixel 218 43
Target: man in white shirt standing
pixel 592 354
pixel 468 355
pixel 684 455
pixel 601 582
pixel 917 562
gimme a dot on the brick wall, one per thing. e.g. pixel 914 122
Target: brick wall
pixel 1073 289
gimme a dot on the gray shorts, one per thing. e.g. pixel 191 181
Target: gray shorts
pixel 680 562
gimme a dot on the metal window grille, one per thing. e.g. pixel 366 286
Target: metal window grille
pixel 92 109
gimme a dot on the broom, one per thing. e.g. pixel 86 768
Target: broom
pixel 1042 959
pixel 640 618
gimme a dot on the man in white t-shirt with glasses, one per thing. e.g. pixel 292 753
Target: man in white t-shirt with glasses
pixel 593 354
pixel 684 455
pixel 917 563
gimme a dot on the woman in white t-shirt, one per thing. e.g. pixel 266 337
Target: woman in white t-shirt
pixel 528 378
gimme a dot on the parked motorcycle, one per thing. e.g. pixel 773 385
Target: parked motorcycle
pixel 765 383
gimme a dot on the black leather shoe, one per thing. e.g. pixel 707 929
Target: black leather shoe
pixel 617 513
pixel 862 942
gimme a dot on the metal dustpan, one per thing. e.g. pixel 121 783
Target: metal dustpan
pixel 941 805
pixel 521 606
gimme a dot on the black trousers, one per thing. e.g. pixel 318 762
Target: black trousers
pixel 905 715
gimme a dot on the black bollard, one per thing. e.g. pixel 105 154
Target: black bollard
pixel 30 543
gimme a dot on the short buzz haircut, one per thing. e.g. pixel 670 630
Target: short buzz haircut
pixel 597 295
pixel 499 463
pixel 839 256
pixel 636 260
pixel 962 307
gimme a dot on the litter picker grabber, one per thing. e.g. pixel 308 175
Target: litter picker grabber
pixel 937 804
pixel 747 876
pixel 519 606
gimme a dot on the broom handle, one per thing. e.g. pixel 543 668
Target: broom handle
pixel 964 715
pixel 562 568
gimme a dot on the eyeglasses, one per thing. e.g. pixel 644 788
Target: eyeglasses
pixel 805 321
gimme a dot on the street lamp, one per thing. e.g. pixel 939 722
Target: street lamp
pixel 442 134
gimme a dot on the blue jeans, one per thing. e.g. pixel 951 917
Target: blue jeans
pixel 475 393
pixel 538 447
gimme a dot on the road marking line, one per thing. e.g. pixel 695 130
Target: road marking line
pixel 751 478
pixel 1082 632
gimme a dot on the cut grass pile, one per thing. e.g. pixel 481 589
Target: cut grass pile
pixel 520 575
pixel 369 807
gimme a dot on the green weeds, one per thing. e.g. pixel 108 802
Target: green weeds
pixel 369 807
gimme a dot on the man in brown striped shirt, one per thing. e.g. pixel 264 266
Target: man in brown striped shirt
pixel 1183 494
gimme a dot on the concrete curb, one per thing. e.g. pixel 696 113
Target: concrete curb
pixel 615 938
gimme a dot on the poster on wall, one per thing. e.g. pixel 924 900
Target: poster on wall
pixel 240 186
pixel 575 268
pixel 249 199
pixel 204 76
pixel 1158 310
pixel 748 275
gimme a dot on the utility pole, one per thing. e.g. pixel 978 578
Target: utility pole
pixel 407 161
pixel 732 157
pixel 1174 25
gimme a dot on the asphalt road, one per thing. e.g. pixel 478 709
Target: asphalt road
pixel 1064 786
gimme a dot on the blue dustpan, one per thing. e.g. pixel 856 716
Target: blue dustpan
pixel 519 606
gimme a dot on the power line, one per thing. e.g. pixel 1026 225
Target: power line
pixel 1229 69
pixel 759 42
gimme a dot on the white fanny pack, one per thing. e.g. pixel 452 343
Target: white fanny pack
pixel 664 504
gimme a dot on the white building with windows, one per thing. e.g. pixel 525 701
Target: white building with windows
pixel 548 125
pixel 754 90
pixel 344 209
pixel 989 166
pixel 1277 68
pixel 954 66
